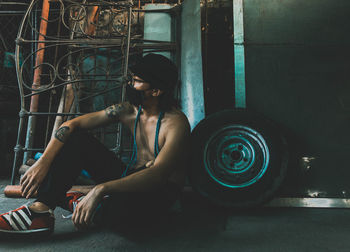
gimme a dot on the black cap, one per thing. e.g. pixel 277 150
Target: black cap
pixel 157 70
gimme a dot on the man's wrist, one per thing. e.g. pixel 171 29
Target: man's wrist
pixel 45 161
pixel 100 190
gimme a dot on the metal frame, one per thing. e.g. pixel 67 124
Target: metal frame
pixel 112 25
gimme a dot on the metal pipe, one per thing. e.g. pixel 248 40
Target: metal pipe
pixel 34 104
pixel 125 72
pixel 32 149
pixel 13 3
pixel 10 13
pixel 127 45
pixel 53 91
pixel 65 104
pixel 51 114
pixel 75 106
pixel 17 149
pixel 90 29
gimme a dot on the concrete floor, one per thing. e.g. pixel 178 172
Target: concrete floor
pixel 198 227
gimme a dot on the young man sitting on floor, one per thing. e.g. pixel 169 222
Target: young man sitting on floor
pixel 152 180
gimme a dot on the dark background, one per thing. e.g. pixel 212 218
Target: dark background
pixel 297 74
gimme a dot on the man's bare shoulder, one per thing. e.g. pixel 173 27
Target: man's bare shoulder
pixel 176 119
pixel 123 111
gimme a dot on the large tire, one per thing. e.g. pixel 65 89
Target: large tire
pixel 238 158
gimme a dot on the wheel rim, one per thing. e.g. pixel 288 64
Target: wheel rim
pixel 236 156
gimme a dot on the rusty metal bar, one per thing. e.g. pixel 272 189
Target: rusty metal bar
pixel 37 72
pixel 91 29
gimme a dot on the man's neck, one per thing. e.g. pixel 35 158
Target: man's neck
pixel 150 108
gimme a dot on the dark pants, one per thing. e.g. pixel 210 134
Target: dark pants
pixel 83 151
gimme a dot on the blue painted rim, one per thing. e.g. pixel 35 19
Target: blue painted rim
pixel 236 156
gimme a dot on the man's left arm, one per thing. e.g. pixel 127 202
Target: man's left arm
pixel 173 155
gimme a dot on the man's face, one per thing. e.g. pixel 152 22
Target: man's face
pixel 140 84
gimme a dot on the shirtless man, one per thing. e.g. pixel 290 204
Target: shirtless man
pixel 153 179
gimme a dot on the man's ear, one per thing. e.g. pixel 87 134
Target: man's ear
pixel 157 92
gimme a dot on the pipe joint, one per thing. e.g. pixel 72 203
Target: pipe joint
pixel 18 148
pixel 23 113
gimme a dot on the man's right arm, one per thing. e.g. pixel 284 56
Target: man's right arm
pixel 112 114
pixel 35 175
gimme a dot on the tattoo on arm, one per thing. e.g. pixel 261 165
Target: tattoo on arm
pixel 117 110
pixel 62 134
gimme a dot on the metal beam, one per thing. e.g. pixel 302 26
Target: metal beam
pixel 239 58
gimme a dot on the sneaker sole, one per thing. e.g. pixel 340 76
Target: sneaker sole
pixel 34 231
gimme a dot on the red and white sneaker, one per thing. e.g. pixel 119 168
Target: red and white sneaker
pixel 23 220
pixel 73 198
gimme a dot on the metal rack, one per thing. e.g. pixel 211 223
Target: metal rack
pixel 76 63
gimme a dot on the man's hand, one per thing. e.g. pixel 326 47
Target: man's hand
pixel 84 212
pixel 32 179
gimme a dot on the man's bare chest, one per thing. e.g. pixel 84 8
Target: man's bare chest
pixel 149 138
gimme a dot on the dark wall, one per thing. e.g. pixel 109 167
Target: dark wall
pixel 10 18
pixel 8 134
pixel 217 54
pixel 298 74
